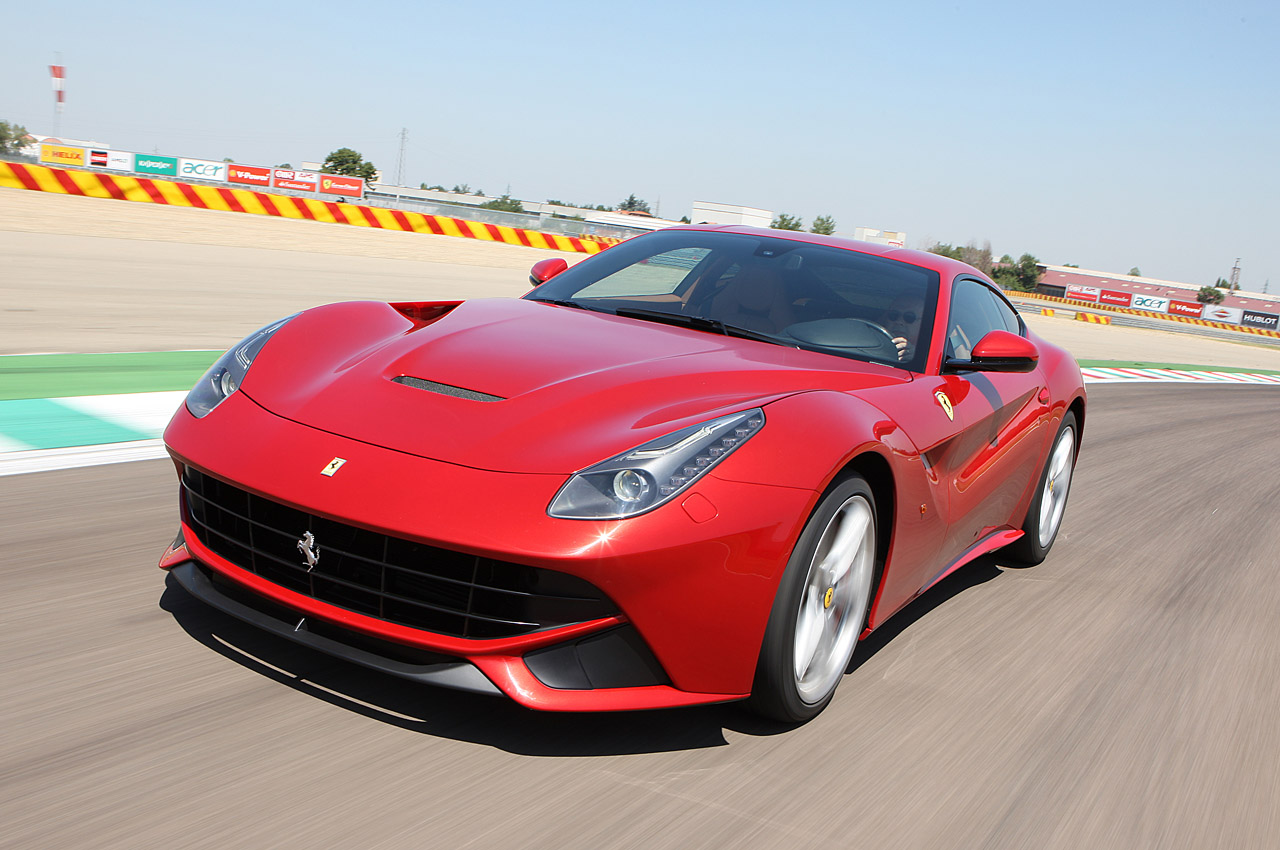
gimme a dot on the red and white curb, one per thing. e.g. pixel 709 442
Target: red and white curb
pixel 1094 375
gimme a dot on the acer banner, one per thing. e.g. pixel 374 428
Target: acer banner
pixel 1148 302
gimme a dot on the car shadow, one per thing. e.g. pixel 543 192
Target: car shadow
pixel 498 722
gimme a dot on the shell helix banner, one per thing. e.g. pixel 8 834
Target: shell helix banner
pixel 61 155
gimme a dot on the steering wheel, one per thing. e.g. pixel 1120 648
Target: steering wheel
pixel 855 336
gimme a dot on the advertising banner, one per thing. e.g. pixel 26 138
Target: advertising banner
pixel 1186 308
pixel 145 163
pixel 250 175
pixel 1083 293
pixel 1117 299
pixel 1147 302
pixel 1255 319
pixel 336 184
pixel 115 160
pixel 302 181
pixel 1218 313
pixel 61 155
pixel 202 169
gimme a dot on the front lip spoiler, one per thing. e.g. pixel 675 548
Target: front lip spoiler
pixel 460 676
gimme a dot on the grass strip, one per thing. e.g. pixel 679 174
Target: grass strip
pixel 66 375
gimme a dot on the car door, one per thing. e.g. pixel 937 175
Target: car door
pixel 1001 418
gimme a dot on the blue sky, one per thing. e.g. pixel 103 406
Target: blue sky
pixel 1109 135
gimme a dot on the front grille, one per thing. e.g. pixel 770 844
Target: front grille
pixel 401 581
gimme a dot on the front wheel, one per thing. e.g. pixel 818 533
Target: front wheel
pixel 1044 516
pixel 821 606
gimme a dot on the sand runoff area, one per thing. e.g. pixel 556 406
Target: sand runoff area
pixel 94 275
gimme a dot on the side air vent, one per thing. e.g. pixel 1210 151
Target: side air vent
pixel 445 389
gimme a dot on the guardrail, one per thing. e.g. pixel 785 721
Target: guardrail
pixel 94 184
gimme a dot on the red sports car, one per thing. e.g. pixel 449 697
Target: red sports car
pixel 697 467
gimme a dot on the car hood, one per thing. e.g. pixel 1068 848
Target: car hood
pixel 523 386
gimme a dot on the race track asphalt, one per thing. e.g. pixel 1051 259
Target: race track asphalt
pixel 1122 694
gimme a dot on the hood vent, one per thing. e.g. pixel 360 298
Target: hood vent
pixel 445 389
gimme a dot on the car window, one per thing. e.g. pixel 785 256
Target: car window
pixel 799 294
pixel 975 311
pixel 660 274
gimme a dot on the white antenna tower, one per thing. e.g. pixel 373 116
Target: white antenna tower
pixel 404 136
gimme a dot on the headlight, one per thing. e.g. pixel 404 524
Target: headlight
pixel 225 376
pixel 650 475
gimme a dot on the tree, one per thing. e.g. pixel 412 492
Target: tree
pixel 435 188
pixel 634 204
pixel 1135 272
pixel 1210 295
pixel 787 222
pixel 824 224
pixel 1222 283
pixel 285 165
pixel 1022 275
pixel 347 162
pixel 1006 260
pixel 979 258
pixel 1071 265
pixel 943 249
pixel 684 219
pixel 13 138
pixel 504 204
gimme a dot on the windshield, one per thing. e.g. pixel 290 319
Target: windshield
pixel 815 297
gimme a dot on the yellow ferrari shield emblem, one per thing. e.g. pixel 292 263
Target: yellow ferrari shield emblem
pixel 333 466
pixel 946 404
pixel 826 597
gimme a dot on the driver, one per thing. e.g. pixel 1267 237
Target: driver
pixel 902 320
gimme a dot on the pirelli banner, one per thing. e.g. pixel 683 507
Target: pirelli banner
pixel 228 198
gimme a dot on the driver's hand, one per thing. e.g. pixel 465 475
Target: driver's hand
pixel 905 351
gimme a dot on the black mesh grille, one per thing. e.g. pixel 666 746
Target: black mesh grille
pixel 409 583
pixel 445 389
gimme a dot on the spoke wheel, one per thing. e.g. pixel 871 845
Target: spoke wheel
pixel 821 606
pixel 835 595
pixel 1044 515
pixel 1053 495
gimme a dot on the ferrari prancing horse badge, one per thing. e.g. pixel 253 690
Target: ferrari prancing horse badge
pixel 946 404
pixel 333 466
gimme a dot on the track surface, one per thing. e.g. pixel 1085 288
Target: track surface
pixel 1123 694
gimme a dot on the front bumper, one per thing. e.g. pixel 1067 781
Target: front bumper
pixel 694 579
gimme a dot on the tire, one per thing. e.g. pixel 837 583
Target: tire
pixel 1044 515
pixel 821 606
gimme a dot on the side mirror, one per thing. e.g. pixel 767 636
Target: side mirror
pixel 544 270
pixel 998 351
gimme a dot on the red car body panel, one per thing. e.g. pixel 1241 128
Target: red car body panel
pixel 696 577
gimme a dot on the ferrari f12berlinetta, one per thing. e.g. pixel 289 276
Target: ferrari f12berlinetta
pixel 697 467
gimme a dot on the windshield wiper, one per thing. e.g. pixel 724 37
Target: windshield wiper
pixel 699 323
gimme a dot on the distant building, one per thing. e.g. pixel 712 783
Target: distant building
pixel 892 238
pixel 1054 280
pixel 706 212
